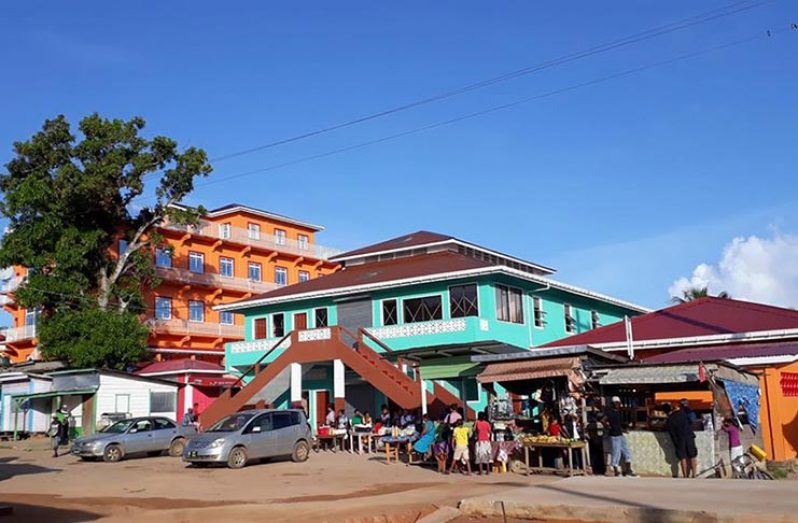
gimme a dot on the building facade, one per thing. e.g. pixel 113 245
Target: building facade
pixel 236 252
pixel 414 308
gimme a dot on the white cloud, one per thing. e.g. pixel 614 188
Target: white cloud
pixel 756 269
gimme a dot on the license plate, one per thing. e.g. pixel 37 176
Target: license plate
pixel 192 454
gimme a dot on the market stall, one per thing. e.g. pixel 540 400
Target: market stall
pixel 710 391
pixel 544 402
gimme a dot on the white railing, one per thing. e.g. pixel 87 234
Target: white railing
pixel 419 329
pixel 11 285
pixel 241 347
pixel 197 328
pixel 25 332
pixel 214 280
pixel 269 241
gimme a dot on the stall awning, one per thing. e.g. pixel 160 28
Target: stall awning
pixel 52 394
pixel 531 370
pixel 650 375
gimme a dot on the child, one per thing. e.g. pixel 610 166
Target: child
pixel 460 436
pixel 483 449
pixel 735 446
pixel 55 434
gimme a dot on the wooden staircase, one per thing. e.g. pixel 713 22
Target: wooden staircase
pixel 327 344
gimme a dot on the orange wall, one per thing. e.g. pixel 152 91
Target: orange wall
pixel 779 414
pixel 181 292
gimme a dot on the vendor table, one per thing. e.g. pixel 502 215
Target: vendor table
pixel 392 446
pixel 568 446
pixel 333 439
pixel 360 437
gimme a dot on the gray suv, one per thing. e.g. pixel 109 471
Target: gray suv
pixel 249 435
pixel 153 436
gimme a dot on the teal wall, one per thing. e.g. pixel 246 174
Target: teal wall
pixel 485 328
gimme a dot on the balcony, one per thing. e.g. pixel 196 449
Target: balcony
pixel 264 241
pixel 15 334
pixel 214 280
pixel 195 328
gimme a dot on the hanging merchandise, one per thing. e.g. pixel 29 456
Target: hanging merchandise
pixel 745 396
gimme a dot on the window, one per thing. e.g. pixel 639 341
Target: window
pixel 259 326
pixel 422 309
pixel 279 237
pixel 225 231
pixel 163 401
pixel 226 267
pixel 226 318
pixel 196 310
pixel 281 276
pixel 595 320
pixel 121 403
pixel 509 306
pixel 463 301
pixel 144 425
pixel 163 257
pixel 123 244
pixel 254 272
pixel 302 241
pixel 282 420
pixel 321 317
pixel 278 325
pixel 390 313
pixel 304 276
pixel 196 262
pixel 262 422
pixel 539 313
pixel 163 308
pixel 570 322
pixel 253 231
pixel 32 316
pixel 163 423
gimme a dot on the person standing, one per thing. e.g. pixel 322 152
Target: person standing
pixel 619 446
pixel 483 450
pixel 735 445
pixel 55 433
pixel 460 436
pixel 683 438
pixel 188 418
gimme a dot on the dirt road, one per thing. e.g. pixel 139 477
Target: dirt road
pixel 329 487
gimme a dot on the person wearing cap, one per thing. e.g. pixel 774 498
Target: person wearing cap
pixel 618 444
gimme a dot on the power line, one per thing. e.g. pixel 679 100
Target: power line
pixel 714 14
pixel 628 72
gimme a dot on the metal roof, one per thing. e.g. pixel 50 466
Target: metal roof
pixel 726 352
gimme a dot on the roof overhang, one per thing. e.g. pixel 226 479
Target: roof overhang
pixel 711 339
pixel 53 394
pixel 554 352
pixel 181 372
pixel 756 361
pixel 264 214
pixel 455 350
pixel 546 283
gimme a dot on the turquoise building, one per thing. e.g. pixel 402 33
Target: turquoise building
pixel 398 323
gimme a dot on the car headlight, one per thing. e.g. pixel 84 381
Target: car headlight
pixel 215 444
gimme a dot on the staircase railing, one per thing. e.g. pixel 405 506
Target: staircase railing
pixel 364 332
pixel 260 360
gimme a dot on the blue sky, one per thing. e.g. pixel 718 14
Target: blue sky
pixel 624 186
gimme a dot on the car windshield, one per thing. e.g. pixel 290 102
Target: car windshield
pixel 231 423
pixel 119 427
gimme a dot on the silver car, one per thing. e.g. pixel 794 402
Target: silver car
pixel 249 435
pixel 150 435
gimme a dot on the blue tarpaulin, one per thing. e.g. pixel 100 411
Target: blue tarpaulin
pixel 747 396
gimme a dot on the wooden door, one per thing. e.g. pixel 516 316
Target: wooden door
pixel 322 402
pixel 300 321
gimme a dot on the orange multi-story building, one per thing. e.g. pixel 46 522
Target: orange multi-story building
pixel 236 251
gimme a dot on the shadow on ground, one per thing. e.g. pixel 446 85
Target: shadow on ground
pixel 9 469
pixel 34 513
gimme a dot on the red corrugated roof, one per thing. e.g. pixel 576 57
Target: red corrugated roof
pixel 181 365
pixel 725 352
pixel 701 317
pixel 401 242
pixel 378 272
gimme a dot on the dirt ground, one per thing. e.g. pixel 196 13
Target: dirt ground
pixel 328 487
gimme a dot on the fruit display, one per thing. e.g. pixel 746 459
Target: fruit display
pixel 530 439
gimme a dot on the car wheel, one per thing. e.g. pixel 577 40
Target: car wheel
pixel 237 458
pixel 301 452
pixel 112 453
pixel 176 447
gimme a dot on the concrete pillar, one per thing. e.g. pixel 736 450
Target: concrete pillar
pixel 339 392
pixel 296 382
pixel 423 390
pixel 188 398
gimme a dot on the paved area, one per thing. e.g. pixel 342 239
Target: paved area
pixel 651 500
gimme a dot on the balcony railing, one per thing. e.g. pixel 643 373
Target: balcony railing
pixel 195 328
pixel 214 280
pixel 268 241
pixel 26 332
pixel 420 329
pixel 241 347
pixel 11 285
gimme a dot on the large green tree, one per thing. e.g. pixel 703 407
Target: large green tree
pixel 69 199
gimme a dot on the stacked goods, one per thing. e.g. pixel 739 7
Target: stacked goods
pixel 531 440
